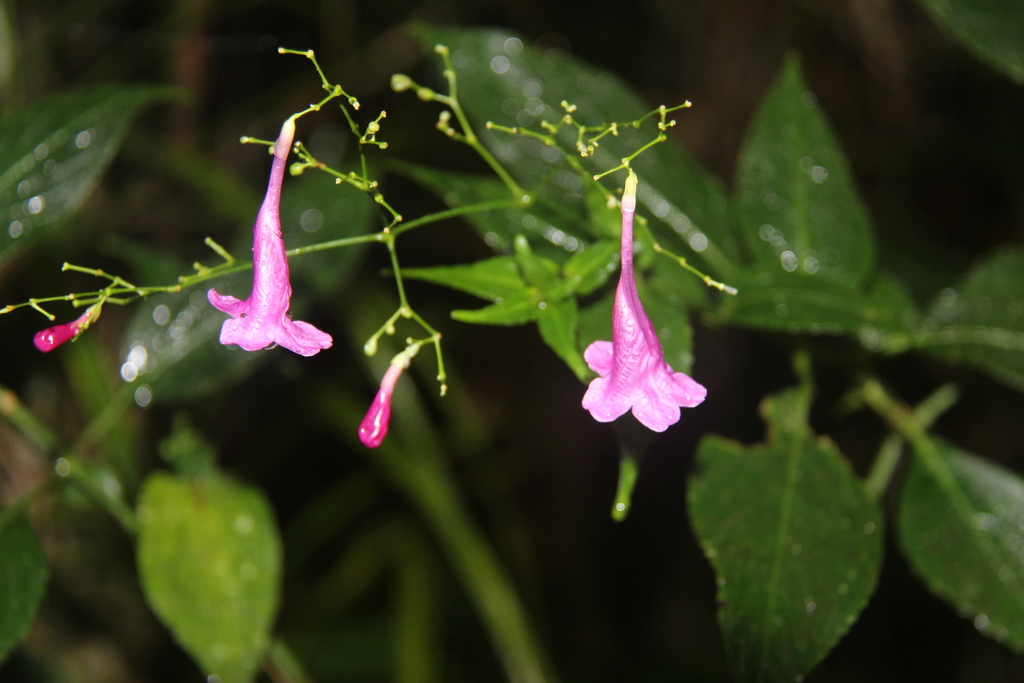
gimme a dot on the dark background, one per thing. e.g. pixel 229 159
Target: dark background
pixel 934 139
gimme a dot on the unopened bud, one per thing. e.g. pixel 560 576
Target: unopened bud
pixel 400 82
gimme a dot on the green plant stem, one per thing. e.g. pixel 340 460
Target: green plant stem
pixel 914 430
pixel 429 484
pixel 231 265
pixel 27 423
pixel 891 449
pixel 628 471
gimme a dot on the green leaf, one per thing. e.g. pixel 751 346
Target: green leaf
pixel 557 323
pixel 960 528
pixel 596 321
pixel 513 310
pixel 981 321
pixel 53 153
pixel 799 209
pixel 800 305
pixel 992 29
pixel 23 575
pixel 794 538
pixel 674 187
pixel 210 565
pixel 538 271
pixel 495 278
pixel 587 270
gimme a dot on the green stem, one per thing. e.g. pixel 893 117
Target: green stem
pixel 685 265
pixel 21 417
pixel 432 489
pixel 891 449
pixel 628 472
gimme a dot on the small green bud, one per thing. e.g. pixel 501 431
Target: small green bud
pixel 370 347
pixel 425 94
pixel 400 82
pixel 297 168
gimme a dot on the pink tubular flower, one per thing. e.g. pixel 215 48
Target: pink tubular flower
pixel 374 426
pixel 263 319
pixel 52 337
pixel 632 368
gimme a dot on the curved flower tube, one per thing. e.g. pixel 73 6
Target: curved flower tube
pixel 52 337
pixel 263 319
pixel 632 368
pixel 374 426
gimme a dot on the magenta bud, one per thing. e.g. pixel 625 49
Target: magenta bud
pixel 374 426
pixel 52 337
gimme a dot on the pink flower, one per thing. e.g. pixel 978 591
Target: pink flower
pixel 263 319
pixel 374 426
pixel 52 337
pixel 632 368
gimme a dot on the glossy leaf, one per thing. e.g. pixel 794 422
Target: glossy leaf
pixel 558 323
pixel 882 318
pixel 210 565
pixel 674 187
pixel 23 575
pixel 53 153
pixel 991 29
pixel 794 538
pixel 980 322
pixel 960 526
pixel 799 209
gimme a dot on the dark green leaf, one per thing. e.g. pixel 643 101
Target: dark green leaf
pixel 803 305
pixel 557 323
pixel 981 320
pixel 53 153
pixel 794 538
pixel 23 576
pixel 673 186
pixel 210 565
pixel 992 29
pixel 960 527
pixel 800 212
pixel 495 278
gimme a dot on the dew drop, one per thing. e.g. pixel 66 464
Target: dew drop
pixel 981 622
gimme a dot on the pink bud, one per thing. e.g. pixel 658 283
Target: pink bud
pixel 52 337
pixel 374 426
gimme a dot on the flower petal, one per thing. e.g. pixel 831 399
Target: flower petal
pixel 228 304
pixel 603 402
pixel 599 356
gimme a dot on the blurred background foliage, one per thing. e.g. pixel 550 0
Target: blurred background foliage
pixel 506 482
